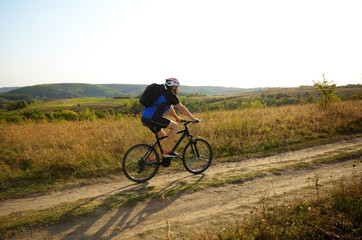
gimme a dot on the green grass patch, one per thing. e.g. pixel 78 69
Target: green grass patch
pixel 126 200
pixel 68 103
pixel 51 105
pixel 244 177
pixel 22 188
pixel 84 100
pixel 338 157
pixel 145 233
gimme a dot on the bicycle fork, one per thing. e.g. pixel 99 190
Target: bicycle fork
pixel 194 148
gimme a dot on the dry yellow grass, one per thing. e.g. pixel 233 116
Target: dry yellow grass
pixel 66 149
pixel 255 130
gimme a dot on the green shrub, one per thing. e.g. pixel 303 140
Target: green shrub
pixel 11 117
pixel 87 115
pixel 17 105
pixel 69 115
pixel 326 90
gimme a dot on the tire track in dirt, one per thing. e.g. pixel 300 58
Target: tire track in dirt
pixel 189 211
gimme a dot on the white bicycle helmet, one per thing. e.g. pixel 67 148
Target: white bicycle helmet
pixel 172 82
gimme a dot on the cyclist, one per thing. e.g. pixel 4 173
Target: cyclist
pixel 153 117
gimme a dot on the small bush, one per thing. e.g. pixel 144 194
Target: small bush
pixel 17 105
pixel 69 115
pixel 326 90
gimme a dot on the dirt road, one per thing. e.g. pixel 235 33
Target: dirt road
pixel 208 208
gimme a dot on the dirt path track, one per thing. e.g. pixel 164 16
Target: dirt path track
pixel 208 208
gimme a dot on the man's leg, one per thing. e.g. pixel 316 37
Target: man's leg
pixel 160 134
pixel 171 135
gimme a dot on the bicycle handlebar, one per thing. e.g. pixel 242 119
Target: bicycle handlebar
pixel 188 121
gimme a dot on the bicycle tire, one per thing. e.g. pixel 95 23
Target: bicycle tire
pixel 134 164
pixel 197 156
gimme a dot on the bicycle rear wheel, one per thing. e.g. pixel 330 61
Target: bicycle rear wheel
pixel 135 165
pixel 197 156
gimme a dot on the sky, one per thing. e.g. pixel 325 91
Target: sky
pixel 230 43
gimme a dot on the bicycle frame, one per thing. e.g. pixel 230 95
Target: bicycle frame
pixel 185 132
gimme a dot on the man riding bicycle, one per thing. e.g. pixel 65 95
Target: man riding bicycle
pixel 153 118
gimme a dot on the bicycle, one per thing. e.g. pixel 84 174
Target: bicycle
pixel 138 167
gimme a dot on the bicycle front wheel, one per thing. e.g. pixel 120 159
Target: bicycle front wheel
pixel 140 163
pixel 197 156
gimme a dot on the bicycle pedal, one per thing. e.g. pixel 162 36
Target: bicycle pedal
pixel 166 162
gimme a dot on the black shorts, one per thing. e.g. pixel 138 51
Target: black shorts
pixel 156 124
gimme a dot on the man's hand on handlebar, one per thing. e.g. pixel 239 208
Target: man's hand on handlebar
pixel 193 121
pixel 196 120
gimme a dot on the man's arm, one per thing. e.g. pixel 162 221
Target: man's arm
pixel 186 112
pixel 173 113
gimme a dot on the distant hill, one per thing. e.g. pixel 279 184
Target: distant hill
pixel 137 89
pixel 65 90
pixel 7 89
pixel 76 90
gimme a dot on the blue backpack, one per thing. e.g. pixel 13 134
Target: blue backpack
pixel 151 93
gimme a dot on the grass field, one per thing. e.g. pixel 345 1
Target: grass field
pixel 88 101
pixel 45 152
